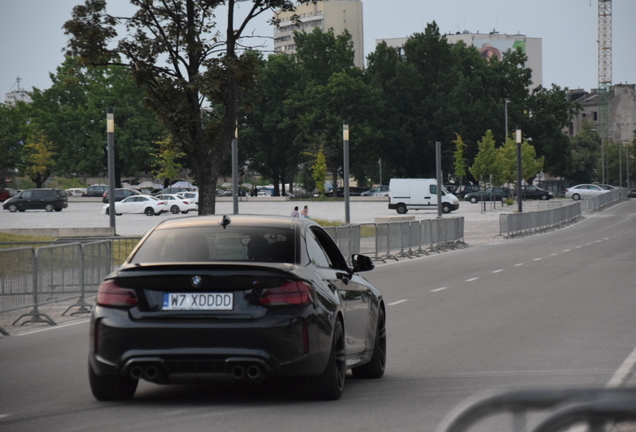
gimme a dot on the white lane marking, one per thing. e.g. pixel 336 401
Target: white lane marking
pixel 537 259
pixel 518 265
pixel 578 247
pixel 554 254
pixel 472 279
pixel 439 289
pixel 84 321
pixel 566 250
pixel 3 416
pixel 397 302
pixel 498 271
pixel 624 372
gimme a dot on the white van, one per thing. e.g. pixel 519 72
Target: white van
pixel 419 194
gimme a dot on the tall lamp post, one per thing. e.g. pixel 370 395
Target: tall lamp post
pixel 235 170
pixel 110 134
pixel 345 153
pixel 506 119
pixel 519 176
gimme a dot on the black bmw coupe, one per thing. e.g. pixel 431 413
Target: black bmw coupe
pixel 251 297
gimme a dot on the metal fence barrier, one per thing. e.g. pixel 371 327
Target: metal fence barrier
pixel 31 277
pixel 556 215
pixel 564 408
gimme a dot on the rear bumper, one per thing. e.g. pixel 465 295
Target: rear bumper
pixel 163 351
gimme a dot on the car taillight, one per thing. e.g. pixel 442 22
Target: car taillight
pixel 111 294
pixel 290 293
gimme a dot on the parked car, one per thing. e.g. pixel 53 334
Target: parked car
pixel 192 196
pixel 138 204
pixel 95 191
pixel 120 194
pixel 631 193
pixel 6 193
pixel 353 191
pixel 584 191
pixel 462 190
pixel 382 190
pixel 172 190
pixel 76 192
pixel 607 187
pixel 237 295
pixel 419 194
pixel 533 192
pixel 37 199
pixel 176 204
pixel 488 194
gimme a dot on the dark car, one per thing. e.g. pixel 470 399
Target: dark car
pixel 249 297
pixel 37 199
pixel 462 190
pixel 534 193
pixel 488 194
pixel 120 194
pixel 631 193
pixel 353 191
pixel 95 191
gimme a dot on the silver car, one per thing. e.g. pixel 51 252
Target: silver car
pixel 584 191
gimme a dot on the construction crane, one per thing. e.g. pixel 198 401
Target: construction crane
pixel 604 74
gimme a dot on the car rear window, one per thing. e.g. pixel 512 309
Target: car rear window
pixel 211 244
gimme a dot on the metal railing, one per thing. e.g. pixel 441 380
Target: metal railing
pixel 597 407
pixel 31 277
pixel 556 215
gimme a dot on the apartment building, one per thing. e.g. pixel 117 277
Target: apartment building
pixel 336 14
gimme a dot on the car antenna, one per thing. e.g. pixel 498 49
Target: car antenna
pixel 225 221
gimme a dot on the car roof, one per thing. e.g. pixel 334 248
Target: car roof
pixel 237 220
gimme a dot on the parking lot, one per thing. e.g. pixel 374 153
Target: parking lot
pixel 480 226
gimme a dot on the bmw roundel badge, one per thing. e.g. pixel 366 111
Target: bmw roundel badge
pixel 196 281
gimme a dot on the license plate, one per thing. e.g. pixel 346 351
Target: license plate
pixel 198 301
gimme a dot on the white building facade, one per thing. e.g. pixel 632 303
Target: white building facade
pixel 495 44
pixel 340 15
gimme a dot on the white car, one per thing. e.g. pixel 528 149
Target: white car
pixel 191 196
pixel 76 192
pixel 138 204
pixel 584 191
pixel 177 204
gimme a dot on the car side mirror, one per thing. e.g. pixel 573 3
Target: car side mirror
pixel 361 263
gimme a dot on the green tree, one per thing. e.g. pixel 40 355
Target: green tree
pixel 460 162
pixel 181 60
pixel 586 154
pixel 13 136
pixel 39 158
pixel 72 114
pixel 166 158
pixel 487 163
pixel 319 170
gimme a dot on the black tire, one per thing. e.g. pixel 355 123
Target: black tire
pixel 49 207
pixel 375 368
pixel 576 197
pixel 110 388
pixel 544 197
pixel 149 211
pixel 13 208
pixel 473 200
pixel 446 208
pixel 330 384
pixel 401 208
pixel 174 209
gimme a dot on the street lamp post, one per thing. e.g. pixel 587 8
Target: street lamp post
pixel 345 153
pixel 235 170
pixel 506 119
pixel 110 135
pixel 519 176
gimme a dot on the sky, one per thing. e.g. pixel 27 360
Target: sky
pixel 32 39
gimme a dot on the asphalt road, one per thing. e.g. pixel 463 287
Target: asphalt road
pixel 549 310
